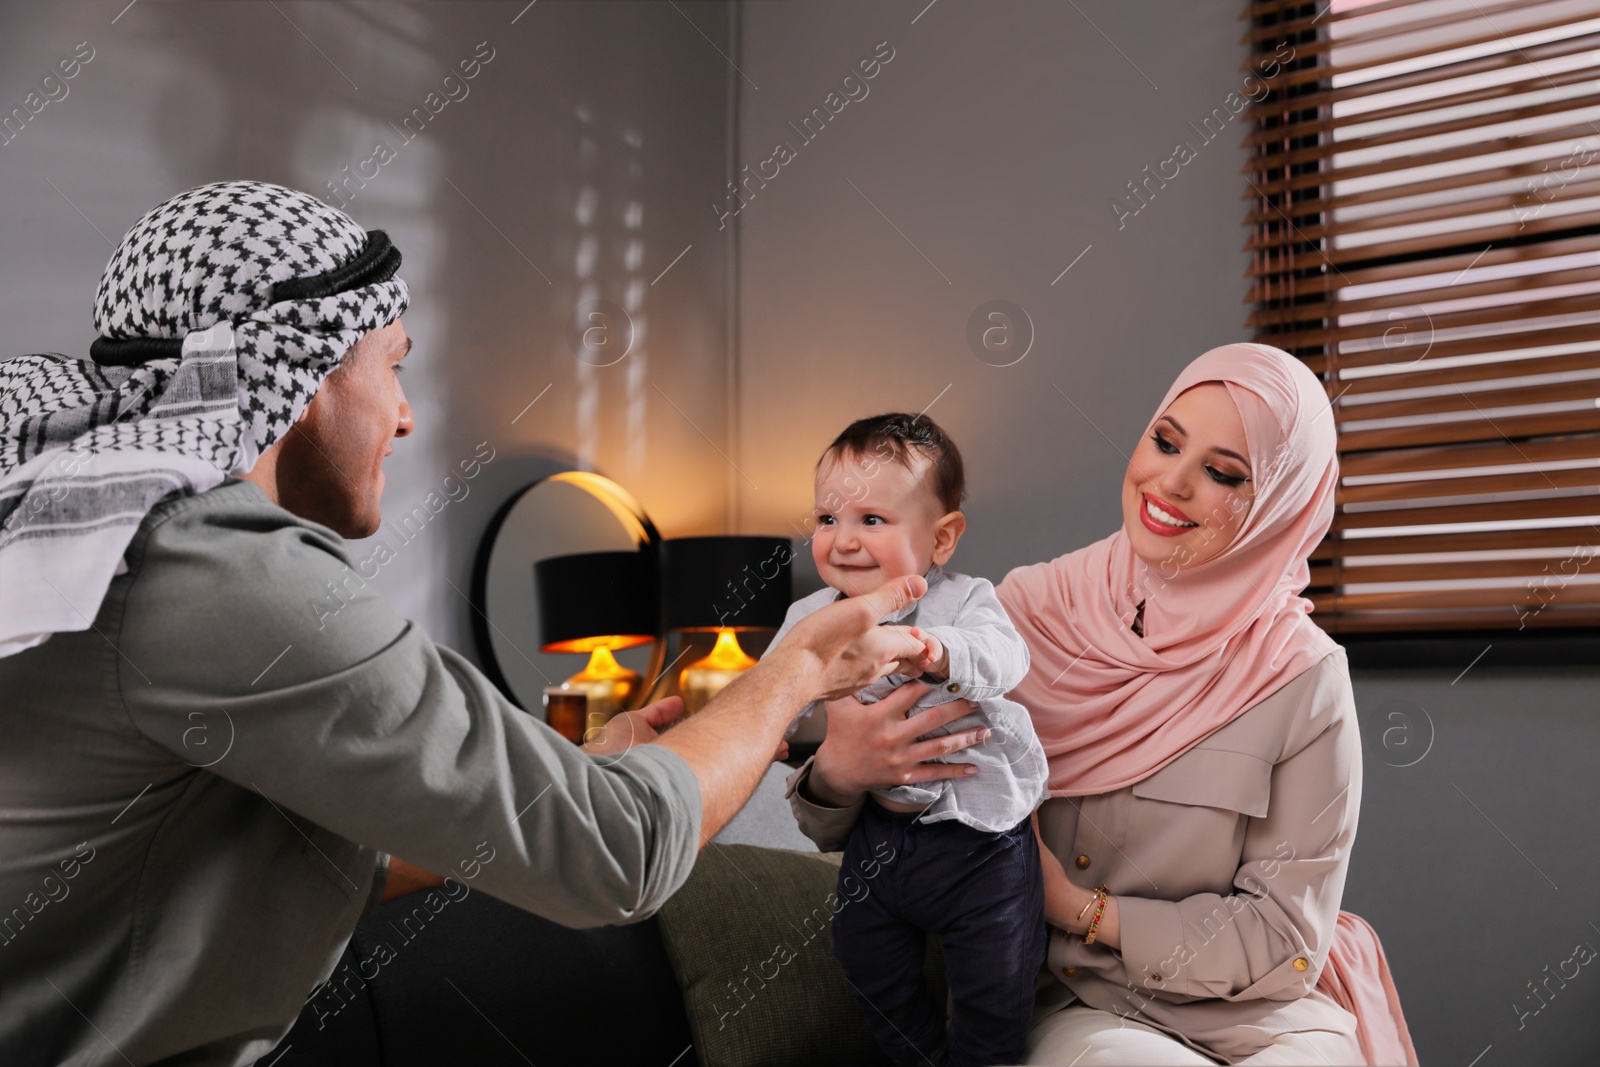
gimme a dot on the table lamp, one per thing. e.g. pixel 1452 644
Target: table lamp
pixel 714 588
pixel 598 602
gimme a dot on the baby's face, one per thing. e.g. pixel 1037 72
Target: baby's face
pixel 875 522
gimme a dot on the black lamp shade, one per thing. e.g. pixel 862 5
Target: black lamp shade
pixel 597 599
pixel 739 583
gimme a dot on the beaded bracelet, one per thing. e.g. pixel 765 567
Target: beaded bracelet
pixel 1093 897
pixel 1102 894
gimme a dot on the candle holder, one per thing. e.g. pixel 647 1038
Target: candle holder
pixel 598 603
pixel 714 589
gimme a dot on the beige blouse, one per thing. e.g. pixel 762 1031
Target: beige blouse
pixel 1228 865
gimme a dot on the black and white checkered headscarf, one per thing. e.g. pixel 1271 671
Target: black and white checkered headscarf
pixel 220 314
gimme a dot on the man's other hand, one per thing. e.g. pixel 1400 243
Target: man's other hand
pixel 642 727
pixel 630 728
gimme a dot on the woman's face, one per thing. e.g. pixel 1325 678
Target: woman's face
pixel 1188 487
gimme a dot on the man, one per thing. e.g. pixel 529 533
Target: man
pixel 201 775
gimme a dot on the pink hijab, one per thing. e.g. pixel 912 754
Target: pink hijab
pixel 1112 707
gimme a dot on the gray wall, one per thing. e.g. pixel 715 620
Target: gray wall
pixel 980 165
pixel 983 162
pixel 590 142
pixel 990 148
pixel 1475 859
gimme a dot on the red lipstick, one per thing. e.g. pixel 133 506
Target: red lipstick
pixel 1156 526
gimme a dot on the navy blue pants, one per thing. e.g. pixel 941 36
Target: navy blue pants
pixel 983 894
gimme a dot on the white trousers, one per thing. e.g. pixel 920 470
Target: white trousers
pixel 1080 1036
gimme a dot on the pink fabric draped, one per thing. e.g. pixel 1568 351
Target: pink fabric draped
pixel 1357 978
pixel 1112 707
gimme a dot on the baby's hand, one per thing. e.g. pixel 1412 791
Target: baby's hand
pixel 937 663
pixel 930 660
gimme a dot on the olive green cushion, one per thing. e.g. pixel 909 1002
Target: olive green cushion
pixel 749 937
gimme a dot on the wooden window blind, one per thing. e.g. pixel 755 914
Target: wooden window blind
pixel 1424 184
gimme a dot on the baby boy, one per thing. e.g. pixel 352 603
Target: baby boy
pixel 966 864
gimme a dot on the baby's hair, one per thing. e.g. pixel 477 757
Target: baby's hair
pixel 895 436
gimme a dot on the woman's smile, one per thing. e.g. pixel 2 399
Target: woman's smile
pixel 1163 518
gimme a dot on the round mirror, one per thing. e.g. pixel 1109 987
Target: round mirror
pixel 562 515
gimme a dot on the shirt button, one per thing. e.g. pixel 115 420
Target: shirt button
pixel 1071 971
pixel 1300 963
pixel 953 687
pixel 1083 863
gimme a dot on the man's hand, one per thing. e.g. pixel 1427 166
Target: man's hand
pixel 630 728
pixel 621 732
pixel 852 650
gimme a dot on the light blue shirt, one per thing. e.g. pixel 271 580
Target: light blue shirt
pixel 988 658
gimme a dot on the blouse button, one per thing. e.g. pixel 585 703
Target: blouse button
pixel 1300 963
pixel 953 687
pixel 1083 863
pixel 1071 971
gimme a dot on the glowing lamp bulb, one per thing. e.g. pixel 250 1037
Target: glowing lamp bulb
pixel 608 685
pixel 705 678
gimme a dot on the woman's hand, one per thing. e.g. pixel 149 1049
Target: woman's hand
pixel 874 746
pixel 1064 900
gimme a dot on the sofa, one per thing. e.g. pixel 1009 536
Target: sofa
pixel 696 985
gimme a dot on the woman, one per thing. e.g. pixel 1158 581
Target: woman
pixel 1204 753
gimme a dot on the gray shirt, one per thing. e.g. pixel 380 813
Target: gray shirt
pixel 196 795
pixel 987 659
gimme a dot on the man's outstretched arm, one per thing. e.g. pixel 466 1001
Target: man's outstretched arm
pixel 729 744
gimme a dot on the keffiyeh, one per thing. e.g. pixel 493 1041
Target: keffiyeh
pixel 220 314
